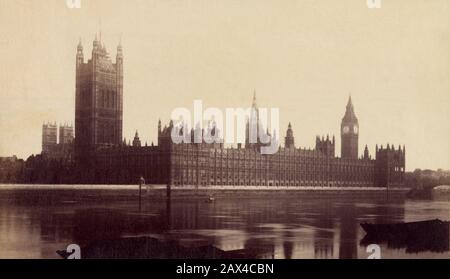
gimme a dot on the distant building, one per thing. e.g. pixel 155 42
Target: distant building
pixel 49 137
pixel 62 150
pixel 66 134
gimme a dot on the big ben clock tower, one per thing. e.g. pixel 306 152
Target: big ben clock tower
pixel 349 133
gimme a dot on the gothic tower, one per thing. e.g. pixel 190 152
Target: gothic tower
pixel 349 133
pixel 98 100
pixel 253 126
pixel 289 139
pixel 49 137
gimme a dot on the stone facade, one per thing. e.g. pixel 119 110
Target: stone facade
pixel 102 156
pixel 201 164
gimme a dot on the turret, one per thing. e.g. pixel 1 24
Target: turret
pixel 325 145
pixel 80 55
pixel 95 46
pixel 366 152
pixel 159 127
pixel 198 133
pixel 119 56
pixel 119 86
pixel 136 140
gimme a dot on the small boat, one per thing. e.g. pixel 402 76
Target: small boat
pixel 63 253
pixel 402 229
pixel 434 227
pixel 429 235
pixel 143 247
pixel 211 198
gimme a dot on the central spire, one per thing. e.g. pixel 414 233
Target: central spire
pixel 349 110
pixel 349 103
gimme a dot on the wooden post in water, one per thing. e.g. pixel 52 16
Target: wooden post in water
pixel 387 191
pixel 141 181
pixel 168 191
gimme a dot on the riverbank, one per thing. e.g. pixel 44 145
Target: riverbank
pixel 127 192
pixel 441 192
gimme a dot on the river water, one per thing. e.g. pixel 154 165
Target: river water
pixel 35 223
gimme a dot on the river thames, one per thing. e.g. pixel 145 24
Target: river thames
pixel 36 223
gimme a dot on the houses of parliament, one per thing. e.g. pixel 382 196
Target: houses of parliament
pixel 101 156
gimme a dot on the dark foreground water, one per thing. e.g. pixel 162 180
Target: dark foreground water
pixel 36 223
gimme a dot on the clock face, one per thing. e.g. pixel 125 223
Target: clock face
pixel 355 129
pixel 346 129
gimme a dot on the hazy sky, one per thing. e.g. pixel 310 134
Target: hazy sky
pixel 304 57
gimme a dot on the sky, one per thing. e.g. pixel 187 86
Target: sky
pixel 304 57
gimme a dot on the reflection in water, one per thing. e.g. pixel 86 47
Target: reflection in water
pixel 324 235
pixel 301 227
pixel 348 236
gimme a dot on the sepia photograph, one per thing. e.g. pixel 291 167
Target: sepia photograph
pixel 225 130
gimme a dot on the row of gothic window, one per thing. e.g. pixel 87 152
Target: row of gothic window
pixel 107 98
